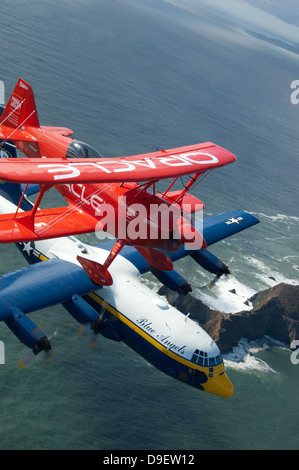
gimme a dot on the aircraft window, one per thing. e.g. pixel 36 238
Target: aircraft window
pixel 195 356
pixel 201 358
pixel 212 361
pixel 218 360
pixel 200 361
pixel 81 150
pixel 215 361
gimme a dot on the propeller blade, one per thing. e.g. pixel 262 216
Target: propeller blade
pixel 23 363
pixel 86 328
pixel 93 341
pixel 42 346
pixel 213 282
pixel 49 358
pixel 95 327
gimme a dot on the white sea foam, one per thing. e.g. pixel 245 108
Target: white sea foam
pixel 268 276
pixel 228 295
pixel 277 218
pixel 243 356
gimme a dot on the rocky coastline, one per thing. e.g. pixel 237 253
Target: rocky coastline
pixel 274 313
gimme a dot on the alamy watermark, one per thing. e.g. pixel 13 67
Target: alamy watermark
pixel 150 222
pixel 295 353
pixel 2 353
pixel 2 92
pixel 295 94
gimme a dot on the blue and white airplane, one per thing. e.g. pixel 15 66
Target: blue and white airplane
pixel 126 311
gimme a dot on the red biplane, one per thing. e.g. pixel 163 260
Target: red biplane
pixel 96 187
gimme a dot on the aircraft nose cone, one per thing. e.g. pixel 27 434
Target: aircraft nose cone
pixel 189 235
pixel 220 385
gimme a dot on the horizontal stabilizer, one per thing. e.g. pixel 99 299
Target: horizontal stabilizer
pixel 8 133
pixel 58 130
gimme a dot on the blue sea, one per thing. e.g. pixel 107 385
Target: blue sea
pixel 134 76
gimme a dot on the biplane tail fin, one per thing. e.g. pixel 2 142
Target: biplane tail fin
pixel 9 191
pixel 21 108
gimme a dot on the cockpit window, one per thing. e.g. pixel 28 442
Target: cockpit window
pixel 81 150
pixel 201 358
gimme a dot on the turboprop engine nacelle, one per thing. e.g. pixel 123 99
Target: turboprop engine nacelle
pixel 210 262
pixel 28 332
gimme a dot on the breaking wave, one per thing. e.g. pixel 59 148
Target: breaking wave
pixel 243 357
pixel 269 276
pixel 229 295
pixel 292 219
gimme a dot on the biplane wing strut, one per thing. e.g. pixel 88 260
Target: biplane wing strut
pixel 28 219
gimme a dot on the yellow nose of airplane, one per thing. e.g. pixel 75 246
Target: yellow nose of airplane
pixel 220 385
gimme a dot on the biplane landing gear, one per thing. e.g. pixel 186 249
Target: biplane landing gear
pixel 97 272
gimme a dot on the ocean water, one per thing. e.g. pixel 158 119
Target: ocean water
pixel 130 77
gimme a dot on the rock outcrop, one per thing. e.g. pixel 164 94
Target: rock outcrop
pixel 275 313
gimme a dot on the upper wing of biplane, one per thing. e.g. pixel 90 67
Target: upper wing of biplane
pixel 146 167
pixel 36 224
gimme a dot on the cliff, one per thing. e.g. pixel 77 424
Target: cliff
pixel 275 313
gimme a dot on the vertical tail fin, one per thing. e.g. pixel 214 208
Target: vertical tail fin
pixel 10 191
pixel 20 108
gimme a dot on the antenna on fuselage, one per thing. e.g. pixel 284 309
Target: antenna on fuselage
pixel 187 316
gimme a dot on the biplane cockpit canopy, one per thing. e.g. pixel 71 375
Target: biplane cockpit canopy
pixel 79 149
